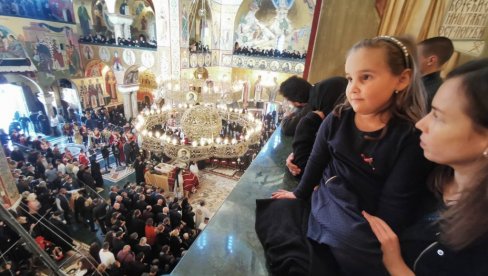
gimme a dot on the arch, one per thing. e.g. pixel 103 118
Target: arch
pixel 67 96
pixel 200 21
pixel 147 86
pixel 131 75
pixel 33 94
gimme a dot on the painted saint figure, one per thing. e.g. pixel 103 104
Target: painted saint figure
pixel 84 19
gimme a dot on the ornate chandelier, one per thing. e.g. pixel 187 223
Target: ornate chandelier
pixel 194 132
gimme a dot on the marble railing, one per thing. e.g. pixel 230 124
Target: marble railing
pixel 229 245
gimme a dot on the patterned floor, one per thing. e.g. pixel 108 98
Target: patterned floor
pixel 213 189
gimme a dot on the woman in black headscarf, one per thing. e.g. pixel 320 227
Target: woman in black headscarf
pixel 323 98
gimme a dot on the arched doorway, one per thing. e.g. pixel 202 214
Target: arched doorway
pixel 67 98
pixel 20 96
pixel 147 85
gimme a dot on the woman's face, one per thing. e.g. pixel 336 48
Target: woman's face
pixel 448 133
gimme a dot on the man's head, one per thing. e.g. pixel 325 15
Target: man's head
pixel 433 53
pixel 296 90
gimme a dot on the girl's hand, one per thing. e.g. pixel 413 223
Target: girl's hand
pixel 294 169
pixel 390 246
pixel 280 194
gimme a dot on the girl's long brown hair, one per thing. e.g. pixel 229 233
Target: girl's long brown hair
pixel 410 104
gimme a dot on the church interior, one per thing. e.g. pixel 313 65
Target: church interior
pixel 148 137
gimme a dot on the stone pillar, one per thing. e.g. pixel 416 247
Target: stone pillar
pixel 127 105
pixel 119 32
pixel 133 97
pixel 129 92
pixel 48 102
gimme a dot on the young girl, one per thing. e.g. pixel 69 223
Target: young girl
pixel 366 157
pixel 454 134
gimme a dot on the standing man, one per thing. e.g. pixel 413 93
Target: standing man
pixel 433 52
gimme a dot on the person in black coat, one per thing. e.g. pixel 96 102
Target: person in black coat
pixel 324 96
pixel 96 173
pixel 139 167
pixel 100 213
pixel 106 156
pixel 188 214
pixel 58 233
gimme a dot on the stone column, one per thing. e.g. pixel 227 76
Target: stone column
pixel 127 106
pixel 128 92
pixel 133 97
pixel 119 32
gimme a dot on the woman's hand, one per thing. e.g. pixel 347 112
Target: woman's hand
pixel 294 169
pixel 280 194
pixel 390 246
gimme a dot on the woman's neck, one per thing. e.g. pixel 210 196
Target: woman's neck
pixel 464 175
pixel 371 122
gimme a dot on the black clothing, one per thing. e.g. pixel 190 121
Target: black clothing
pixel 290 122
pixel 440 260
pixel 139 169
pixel 58 233
pixel 96 173
pixel 432 82
pixel 324 96
pixel 304 139
pixel 17 155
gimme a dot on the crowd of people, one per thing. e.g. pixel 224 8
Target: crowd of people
pixel 269 53
pixel 198 47
pixel 120 41
pixel 144 230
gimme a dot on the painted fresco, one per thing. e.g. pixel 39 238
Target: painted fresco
pixel 52 10
pixel 92 92
pixel 53 50
pixel 98 69
pixel 101 23
pixel 147 84
pixel 13 53
pixel 274 24
pixel 144 20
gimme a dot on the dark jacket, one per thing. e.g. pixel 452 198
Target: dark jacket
pixel 323 97
pixel 432 82
pixel 290 122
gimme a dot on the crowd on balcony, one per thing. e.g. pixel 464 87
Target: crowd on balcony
pixel 269 53
pixel 120 41
pixel 198 47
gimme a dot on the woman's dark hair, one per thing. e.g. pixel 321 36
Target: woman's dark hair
pixel 325 94
pixel 295 89
pixel 466 221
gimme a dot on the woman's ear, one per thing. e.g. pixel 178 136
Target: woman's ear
pixel 404 80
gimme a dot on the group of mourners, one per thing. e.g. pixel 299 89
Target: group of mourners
pixel 392 163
